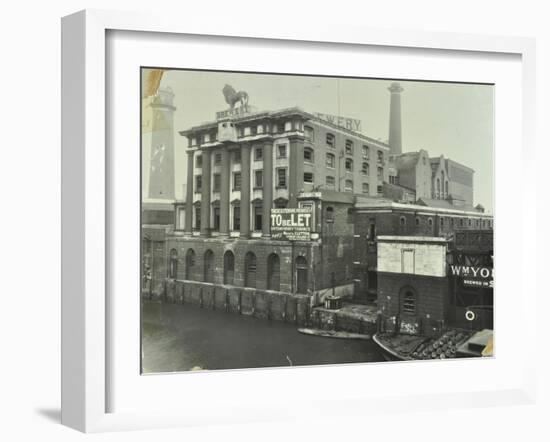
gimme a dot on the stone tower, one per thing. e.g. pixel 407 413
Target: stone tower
pixel 395 119
pixel 161 172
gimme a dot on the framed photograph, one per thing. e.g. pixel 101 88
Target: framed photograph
pixel 253 218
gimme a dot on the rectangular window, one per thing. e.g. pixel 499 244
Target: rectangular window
pixel 380 173
pixel 331 161
pixel 379 190
pixel 365 188
pixel 247 131
pixel 197 217
pixel 308 155
pixel 260 129
pixel 330 140
pixel 365 169
pixel 308 133
pixel 281 177
pixel 217 182
pixel 198 161
pixel 380 156
pixel 217 158
pixel 216 218
pixel 237 181
pixel 349 165
pixel 330 181
pixel 258 178
pixel 206 138
pixel 308 178
pixel 258 210
pixel 237 156
pixel 281 151
pixel 198 184
pixel 365 152
pixel 236 218
pixel 258 154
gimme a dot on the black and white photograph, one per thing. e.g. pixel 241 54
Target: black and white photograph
pixel 293 220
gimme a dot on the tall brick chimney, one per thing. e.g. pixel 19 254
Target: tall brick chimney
pixel 395 119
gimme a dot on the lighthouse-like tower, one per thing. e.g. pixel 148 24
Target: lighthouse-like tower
pixel 161 172
pixel 395 119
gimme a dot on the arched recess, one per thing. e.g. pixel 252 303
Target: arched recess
pixel 190 264
pixel 273 272
pixel 301 275
pixel 250 265
pixel 209 266
pixel 228 267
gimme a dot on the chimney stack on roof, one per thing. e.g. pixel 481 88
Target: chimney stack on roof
pixel 395 119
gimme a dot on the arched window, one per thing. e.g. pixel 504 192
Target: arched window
pixel 190 264
pixel 173 267
pixel 273 272
pixel 301 274
pixel 365 169
pixel 250 270
pixel 402 221
pixel 349 147
pixel 417 221
pixel 209 266
pixel 446 188
pixel 349 165
pixel 438 188
pixel 430 222
pixel 407 304
pixel 228 267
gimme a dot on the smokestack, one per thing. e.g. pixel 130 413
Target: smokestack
pixel 395 118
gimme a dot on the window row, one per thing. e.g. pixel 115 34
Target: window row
pixel 452 221
pixel 281 176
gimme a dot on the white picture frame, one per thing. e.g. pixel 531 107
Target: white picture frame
pixel 86 316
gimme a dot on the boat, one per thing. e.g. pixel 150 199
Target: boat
pixel 333 334
pixel 405 347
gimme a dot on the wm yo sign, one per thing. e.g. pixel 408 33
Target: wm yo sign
pixel 291 224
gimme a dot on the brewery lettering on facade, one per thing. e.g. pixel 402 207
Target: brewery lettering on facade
pixel 348 123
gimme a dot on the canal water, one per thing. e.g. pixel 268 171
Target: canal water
pixel 185 337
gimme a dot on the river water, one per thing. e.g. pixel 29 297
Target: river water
pixel 185 337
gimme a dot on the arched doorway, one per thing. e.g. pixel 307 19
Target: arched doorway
pixel 301 275
pixel 209 266
pixel 250 270
pixel 273 272
pixel 190 264
pixel 228 267
pixel 173 264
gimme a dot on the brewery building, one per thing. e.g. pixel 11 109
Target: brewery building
pixel 286 206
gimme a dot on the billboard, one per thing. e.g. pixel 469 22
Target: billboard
pixel 291 224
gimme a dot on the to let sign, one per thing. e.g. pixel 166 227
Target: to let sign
pixel 291 224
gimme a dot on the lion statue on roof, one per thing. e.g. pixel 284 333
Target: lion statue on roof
pixel 232 97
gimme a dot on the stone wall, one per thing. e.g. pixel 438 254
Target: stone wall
pixel 262 304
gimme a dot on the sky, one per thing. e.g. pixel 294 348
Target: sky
pixel 450 119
